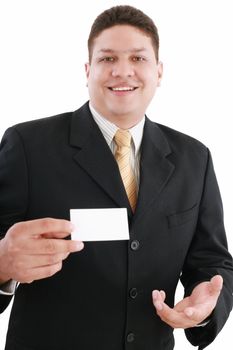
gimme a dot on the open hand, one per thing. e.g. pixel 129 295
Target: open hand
pixel 193 309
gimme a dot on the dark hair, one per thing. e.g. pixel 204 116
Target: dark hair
pixel 124 15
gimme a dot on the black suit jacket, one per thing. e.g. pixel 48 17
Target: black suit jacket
pixel 101 299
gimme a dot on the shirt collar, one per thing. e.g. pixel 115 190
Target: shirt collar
pixel 109 129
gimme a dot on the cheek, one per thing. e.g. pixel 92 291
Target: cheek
pixel 97 78
pixel 147 75
pixel 152 80
pixel 96 85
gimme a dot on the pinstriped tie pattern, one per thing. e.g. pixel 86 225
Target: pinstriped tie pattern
pixel 122 155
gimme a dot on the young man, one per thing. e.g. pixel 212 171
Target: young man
pixel 112 294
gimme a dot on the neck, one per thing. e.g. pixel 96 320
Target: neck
pixel 124 122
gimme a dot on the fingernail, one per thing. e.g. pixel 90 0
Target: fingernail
pixel 72 227
pixel 79 245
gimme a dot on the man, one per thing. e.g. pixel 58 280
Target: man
pixel 119 294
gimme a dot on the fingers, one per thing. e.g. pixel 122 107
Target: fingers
pixel 202 310
pixel 163 295
pixel 42 226
pixel 216 284
pixel 35 249
pixel 41 272
pixel 171 316
pixel 37 237
pixel 158 298
pixel 35 261
pixel 191 310
pixel 166 314
pixel 159 295
pixel 53 246
pixel 25 268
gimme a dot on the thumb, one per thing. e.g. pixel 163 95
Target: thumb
pixel 216 284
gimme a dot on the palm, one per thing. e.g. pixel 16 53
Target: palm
pixel 203 299
pixel 193 309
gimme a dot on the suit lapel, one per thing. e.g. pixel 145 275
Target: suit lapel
pixel 155 168
pixel 95 157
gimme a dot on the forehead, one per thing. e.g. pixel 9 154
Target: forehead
pixel 122 38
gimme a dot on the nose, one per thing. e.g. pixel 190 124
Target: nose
pixel 123 69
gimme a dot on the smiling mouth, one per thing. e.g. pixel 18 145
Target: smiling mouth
pixel 122 89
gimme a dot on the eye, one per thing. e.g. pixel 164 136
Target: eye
pixel 138 58
pixel 107 59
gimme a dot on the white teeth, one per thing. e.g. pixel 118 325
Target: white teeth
pixel 123 89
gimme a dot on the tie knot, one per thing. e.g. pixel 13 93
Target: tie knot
pixel 122 138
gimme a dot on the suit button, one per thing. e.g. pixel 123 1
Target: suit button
pixel 130 337
pixel 133 293
pixel 134 245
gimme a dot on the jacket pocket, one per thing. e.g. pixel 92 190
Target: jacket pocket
pixel 182 217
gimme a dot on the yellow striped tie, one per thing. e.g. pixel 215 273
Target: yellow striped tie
pixel 122 155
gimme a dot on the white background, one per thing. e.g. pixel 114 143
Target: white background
pixel 43 51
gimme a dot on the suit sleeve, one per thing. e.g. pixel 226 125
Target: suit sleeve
pixel 208 255
pixel 13 187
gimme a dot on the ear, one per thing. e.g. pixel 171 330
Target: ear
pixel 87 69
pixel 160 73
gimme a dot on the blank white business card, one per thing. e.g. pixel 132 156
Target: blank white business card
pixel 100 224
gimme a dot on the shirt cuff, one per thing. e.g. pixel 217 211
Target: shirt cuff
pixel 203 324
pixel 8 288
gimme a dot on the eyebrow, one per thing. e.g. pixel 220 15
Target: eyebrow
pixel 134 50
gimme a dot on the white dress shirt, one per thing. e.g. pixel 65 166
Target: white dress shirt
pixel 109 129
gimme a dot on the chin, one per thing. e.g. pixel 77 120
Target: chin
pixel 121 110
pixel 122 114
